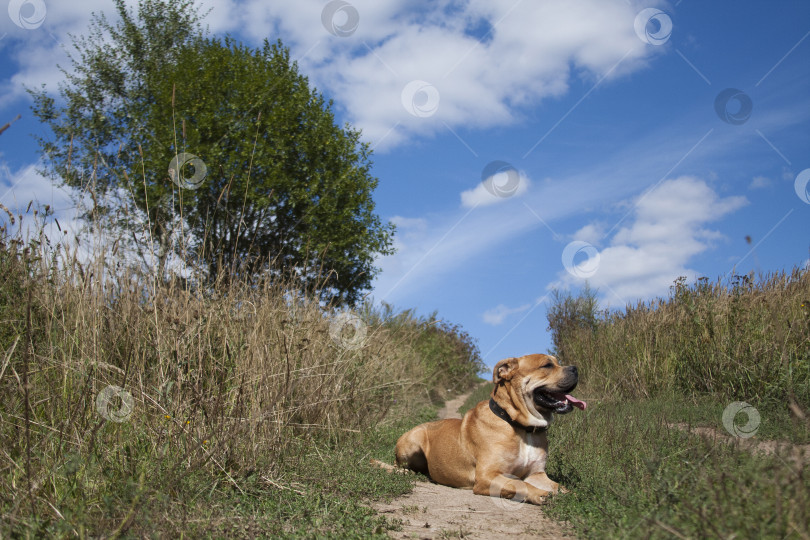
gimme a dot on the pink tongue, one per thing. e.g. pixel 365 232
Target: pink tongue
pixel 575 402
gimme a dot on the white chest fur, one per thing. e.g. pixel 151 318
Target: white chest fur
pixel 531 455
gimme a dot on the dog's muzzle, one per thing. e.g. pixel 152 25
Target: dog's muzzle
pixel 559 399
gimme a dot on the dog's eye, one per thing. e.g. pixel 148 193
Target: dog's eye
pixel 549 365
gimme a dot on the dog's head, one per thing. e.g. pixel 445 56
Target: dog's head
pixel 532 387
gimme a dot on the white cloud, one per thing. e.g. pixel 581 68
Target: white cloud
pixel 759 182
pixel 521 53
pixel 408 230
pixel 496 188
pixel 411 225
pixel 447 241
pixel 592 233
pixel 38 52
pixel 668 229
pixel 498 314
pixel 25 193
pixel 453 239
pixel 484 60
pixel 26 186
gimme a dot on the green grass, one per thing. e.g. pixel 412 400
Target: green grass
pixel 632 476
pixel 336 484
pixel 479 394
pixel 324 491
pixel 707 411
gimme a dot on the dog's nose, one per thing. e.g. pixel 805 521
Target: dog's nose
pixel 574 370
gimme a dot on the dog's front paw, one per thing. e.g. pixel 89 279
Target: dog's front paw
pixel 538 496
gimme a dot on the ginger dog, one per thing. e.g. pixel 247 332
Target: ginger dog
pixel 500 447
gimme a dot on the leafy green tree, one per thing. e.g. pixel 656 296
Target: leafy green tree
pixel 97 123
pixel 225 151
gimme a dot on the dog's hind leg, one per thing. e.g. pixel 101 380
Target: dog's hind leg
pixel 410 450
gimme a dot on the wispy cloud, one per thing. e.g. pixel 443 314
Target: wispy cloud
pixel 497 315
pixel 496 188
pixel 760 182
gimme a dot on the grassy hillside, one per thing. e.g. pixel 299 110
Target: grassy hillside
pixel 655 371
pixel 131 406
pixel 747 340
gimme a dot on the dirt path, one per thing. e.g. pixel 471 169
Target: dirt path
pixel 434 511
pixel 450 409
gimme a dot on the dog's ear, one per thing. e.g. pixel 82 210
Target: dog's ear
pixel 504 370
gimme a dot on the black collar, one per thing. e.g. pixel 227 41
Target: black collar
pixel 500 413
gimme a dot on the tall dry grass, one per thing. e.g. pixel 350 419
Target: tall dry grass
pixel 117 389
pixel 742 339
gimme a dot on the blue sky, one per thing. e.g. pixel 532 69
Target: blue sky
pixel 524 145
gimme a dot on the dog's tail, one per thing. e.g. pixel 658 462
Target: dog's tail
pixel 388 467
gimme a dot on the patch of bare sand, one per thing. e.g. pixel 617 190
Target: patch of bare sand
pixel 434 511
